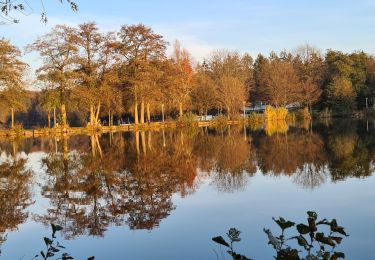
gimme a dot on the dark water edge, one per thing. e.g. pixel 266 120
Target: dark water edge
pixel 163 195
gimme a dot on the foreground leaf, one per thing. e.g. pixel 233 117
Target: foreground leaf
pixel 236 256
pixel 337 255
pixel 220 240
pixel 337 228
pixel 303 229
pixel 272 240
pixel 325 240
pixel 283 224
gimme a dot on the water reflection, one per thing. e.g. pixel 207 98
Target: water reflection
pixel 15 191
pixel 93 182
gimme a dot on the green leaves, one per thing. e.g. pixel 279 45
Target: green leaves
pixel 66 256
pixel 337 228
pixel 47 241
pixel 316 240
pixel 288 253
pixel 234 235
pixel 55 228
pixel 325 240
pixel 283 224
pixel 337 255
pixel 311 220
pixel 236 256
pixel 54 247
pixel 303 242
pixel 272 240
pixel 312 214
pixel 220 240
pixel 314 244
pixel 303 229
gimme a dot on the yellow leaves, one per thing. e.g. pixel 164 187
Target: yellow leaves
pixel 275 120
pixel 274 114
pixel 273 127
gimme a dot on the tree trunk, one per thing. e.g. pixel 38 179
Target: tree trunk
pixel 93 146
pixel 91 115
pixel 49 119
pixel 180 108
pixel 12 117
pixel 15 149
pixel 62 106
pixel 97 113
pixel 63 116
pixel 149 141
pixel 162 112
pixel 137 142
pixel 54 117
pixel 143 138
pixel 182 138
pixel 142 119
pixel 136 113
pixel 109 118
pixel 148 113
pixel 65 149
pixel 163 138
pixel 98 146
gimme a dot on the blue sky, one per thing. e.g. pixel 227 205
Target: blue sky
pixel 252 26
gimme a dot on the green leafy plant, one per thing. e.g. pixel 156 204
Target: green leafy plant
pixel 54 248
pixel 313 242
pixel 234 236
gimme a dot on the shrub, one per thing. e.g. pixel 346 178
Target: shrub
pixel 325 113
pixel 256 118
pixel 272 113
pixel 220 121
pixel 18 129
pixel 273 127
pixel 188 119
pixel 303 114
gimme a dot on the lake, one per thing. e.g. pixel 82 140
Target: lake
pixel 165 194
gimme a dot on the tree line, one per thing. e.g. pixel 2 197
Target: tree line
pixel 97 76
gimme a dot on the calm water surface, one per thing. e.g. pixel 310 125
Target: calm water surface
pixel 164 195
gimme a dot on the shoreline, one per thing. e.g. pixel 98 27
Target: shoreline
pixel 58 131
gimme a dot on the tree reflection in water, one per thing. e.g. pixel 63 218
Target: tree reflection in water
pixel 119 179
pixel 15 191
pixel 115 183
